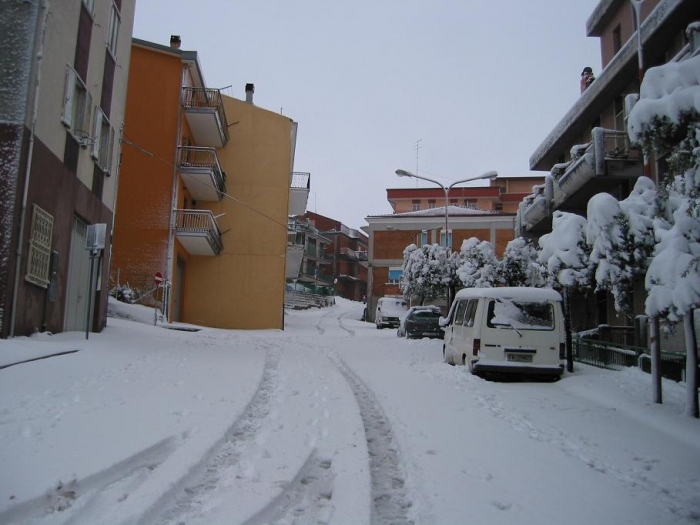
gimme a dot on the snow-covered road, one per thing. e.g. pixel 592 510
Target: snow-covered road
pixel 328 421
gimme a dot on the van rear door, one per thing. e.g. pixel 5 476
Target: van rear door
pixel 522 332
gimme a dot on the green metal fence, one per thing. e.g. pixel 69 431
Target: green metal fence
pixel 615 356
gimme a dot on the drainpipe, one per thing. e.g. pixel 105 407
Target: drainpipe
pixel 173 200
pixel 30 150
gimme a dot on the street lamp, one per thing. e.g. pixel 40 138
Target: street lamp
pixel 487 175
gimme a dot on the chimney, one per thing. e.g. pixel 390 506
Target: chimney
pixel 249 90
pixel 175 41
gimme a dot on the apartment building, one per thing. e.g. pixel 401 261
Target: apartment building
pixel 347 256
pixel 308 268
pixel 390 234
pixel 504 194
pixel 589 152
pixel 204 195
pixel 61 113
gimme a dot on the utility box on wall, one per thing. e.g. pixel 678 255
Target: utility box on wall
pixel 96 237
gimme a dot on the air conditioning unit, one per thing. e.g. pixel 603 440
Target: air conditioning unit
pixel 96 236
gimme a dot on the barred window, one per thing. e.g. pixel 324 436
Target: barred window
pixel 39 257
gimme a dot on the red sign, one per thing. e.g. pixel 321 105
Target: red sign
pixel 158 277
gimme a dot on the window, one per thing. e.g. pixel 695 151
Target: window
pixel 471 312
pixel 470 203
pixel 431 204
pixel 459 312
pixel 617 38
pixel 114 22
pixel 498 206
pixel 449 239
pixel 424 237
pixel 520 316
pixel 453 202
pixel 103 141
pixel 395 274
pixel 77 103
pixel 415 205
pixel 39 256
pixel 90 6
pixel 619 107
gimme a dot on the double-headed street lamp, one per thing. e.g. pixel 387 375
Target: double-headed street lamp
pixel 487 175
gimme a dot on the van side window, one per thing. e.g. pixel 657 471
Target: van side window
pixel 459 312
pixel 471 312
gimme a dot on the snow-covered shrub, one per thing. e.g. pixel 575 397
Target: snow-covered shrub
pixel 479 266
pixel 426 272
pixel 518 266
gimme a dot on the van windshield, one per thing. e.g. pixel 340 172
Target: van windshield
pixel 520 315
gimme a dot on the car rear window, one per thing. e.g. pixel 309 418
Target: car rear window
pixel 426 315
pixel 520 315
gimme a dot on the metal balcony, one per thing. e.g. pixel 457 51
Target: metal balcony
pixel 299 192
pixel 198 232
pixel 607 164
pixel 201 172
pixel 205 116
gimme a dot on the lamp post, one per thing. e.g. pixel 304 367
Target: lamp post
pixel 487 175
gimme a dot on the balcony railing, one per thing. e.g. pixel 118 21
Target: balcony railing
pixel 299 192
pixel 598 166
pixel 205 115
pixel 198 232
pixel 202 173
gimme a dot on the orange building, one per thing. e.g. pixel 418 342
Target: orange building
pixel 203 196
pixel 485 212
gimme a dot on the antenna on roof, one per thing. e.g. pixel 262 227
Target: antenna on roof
pixel 417 145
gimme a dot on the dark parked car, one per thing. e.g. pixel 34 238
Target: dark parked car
pixel 421 321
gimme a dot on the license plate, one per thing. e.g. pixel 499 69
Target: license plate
pixel 519 358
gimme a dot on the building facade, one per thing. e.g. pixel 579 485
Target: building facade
pixel 589 151
pixel 504 194
pixel 61 115
pixel 389 235
pixel 204 195
pixel 347 254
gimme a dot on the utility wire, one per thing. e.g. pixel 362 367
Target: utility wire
pixel 171 165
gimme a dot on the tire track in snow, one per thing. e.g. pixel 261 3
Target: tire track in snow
pixel 390 502
pixel 192 493
pixel 308 495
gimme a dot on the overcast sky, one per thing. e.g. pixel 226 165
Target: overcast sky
pixel 477 84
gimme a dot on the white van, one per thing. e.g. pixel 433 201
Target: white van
pixel 506 330
pixel 390 311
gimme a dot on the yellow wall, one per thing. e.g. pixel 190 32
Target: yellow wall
pixel 243 287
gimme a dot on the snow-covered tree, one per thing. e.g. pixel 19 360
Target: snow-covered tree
pixel 621 238
pixel 518 266
pixel 479 265
pixel 666 121
pixel 425 272
pixel 564 252
pixel 564 256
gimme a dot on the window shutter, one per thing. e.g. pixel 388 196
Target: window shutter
pixel 85 125
pixel 67 116
pixel 97 132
